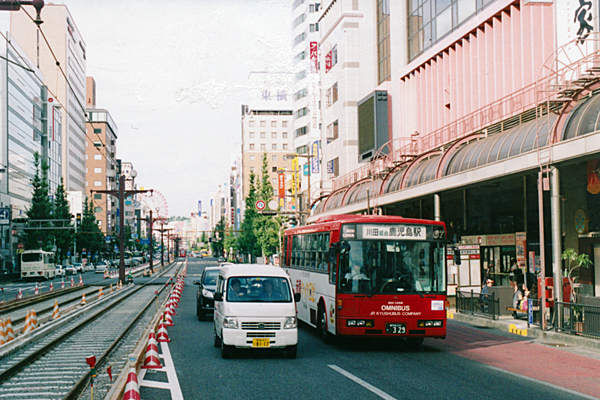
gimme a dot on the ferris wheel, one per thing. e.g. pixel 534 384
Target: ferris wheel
pixel 155 202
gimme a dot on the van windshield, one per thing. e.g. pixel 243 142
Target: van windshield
pixel 258 289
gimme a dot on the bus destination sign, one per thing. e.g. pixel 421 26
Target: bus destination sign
pixel 406 232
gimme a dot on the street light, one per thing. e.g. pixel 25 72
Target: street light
pixel 308 157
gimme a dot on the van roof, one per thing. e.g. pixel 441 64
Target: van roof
pixel 252 269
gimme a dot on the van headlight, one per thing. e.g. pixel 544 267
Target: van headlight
pixel 290 323
pixel 207 293
pixel 230 322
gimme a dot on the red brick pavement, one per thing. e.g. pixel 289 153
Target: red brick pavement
pixel 560 367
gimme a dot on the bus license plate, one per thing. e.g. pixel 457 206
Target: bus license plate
pixel 395 329
pixel 261 342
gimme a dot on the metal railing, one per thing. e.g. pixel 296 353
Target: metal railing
pixel 578 319
pixel 476 304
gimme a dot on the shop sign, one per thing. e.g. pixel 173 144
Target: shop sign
pixel 521 249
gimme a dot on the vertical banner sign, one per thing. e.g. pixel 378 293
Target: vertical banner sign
pixel 199 208
pixel 330 167
pixel 281 185
pixel 295 175
pixel 314 161
pixel 328 62
pixel 521 249
pixel 314 57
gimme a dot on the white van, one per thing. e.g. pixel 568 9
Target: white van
pixel 255 307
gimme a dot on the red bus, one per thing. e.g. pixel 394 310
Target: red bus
pixel 369 275
pixel 182 253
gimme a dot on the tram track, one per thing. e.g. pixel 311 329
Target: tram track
pixel 54 367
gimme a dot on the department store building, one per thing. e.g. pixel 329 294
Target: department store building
pixel 493 128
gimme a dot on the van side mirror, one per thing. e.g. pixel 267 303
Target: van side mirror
pixel 297 297
pixel 196 282
pixel 218 296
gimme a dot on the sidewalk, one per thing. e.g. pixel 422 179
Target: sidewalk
pixel 519 327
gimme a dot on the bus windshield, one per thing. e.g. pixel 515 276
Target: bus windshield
pixel 31 257
pixel 391 267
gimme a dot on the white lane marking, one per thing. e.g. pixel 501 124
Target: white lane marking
pixel 583 395
pixel 173 383
pixel 364 384
pixel 171 374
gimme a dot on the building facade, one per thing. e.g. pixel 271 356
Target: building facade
pixel 68 90
pixel 267 133
pixel 492 110
pixel 101 164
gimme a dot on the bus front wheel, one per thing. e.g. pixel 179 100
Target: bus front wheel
pixel 414 343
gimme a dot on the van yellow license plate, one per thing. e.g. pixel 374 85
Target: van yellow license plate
pixel 261 342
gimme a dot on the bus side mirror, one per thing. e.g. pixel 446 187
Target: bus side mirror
pixel 218 296
pixel 332 254
pixel 457 256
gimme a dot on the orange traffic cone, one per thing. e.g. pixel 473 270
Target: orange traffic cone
pixel 131 388
pixel 168 319
pixel 80 280
pixel 106 274
pixel 163 335
pixel 56 312
pixel 111 288
pixel 152 360
pixel 171 308
pixel 72 283
pixel 28 327
pixel 62 283
pixel 2 332
pixel 34 321
pixel 83 303
pixel 8 330
pixel 100 293
pixel 20 295
pixel 51 287
pixel 36 290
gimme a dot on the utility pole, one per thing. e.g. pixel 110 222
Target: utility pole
pixel 121 194
pixel 150 221
pixel 162 244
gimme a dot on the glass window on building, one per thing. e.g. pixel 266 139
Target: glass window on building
pixel 251 146
pixel 97 156
pixel 274 158
pixel 284 135
pixel 252 157
pixel 97 209
pixel 263 123
pixel 97 183
pixel 285 146
pixel 251 123
pixel 274 135
pixel 263 146
pixel 97 196
pixel 274 146
pixel 383 40
pixel 97 170
pixel 251 135
pixel 284 123
pixel 273 123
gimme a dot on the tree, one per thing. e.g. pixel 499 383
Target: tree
pixel 218 235
pixel 247 241
pixel 89 235
pixel 230 242
pixel 64 237
pixel 266 228
pixel 41 208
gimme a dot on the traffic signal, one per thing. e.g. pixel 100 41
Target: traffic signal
pixel 78 220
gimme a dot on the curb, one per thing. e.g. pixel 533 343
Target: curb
pixel 533 331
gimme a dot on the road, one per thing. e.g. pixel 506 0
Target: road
pixel 470 363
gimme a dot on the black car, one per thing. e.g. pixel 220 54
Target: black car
pixel 204 298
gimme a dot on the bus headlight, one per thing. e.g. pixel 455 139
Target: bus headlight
pixel 230 322
pixel 290 323
pixel 430 324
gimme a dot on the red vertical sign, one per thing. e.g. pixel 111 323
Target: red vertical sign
pixel 328 62
pixel 281 182
pixel 314 57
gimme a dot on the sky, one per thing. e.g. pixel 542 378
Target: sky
pixel 174 74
